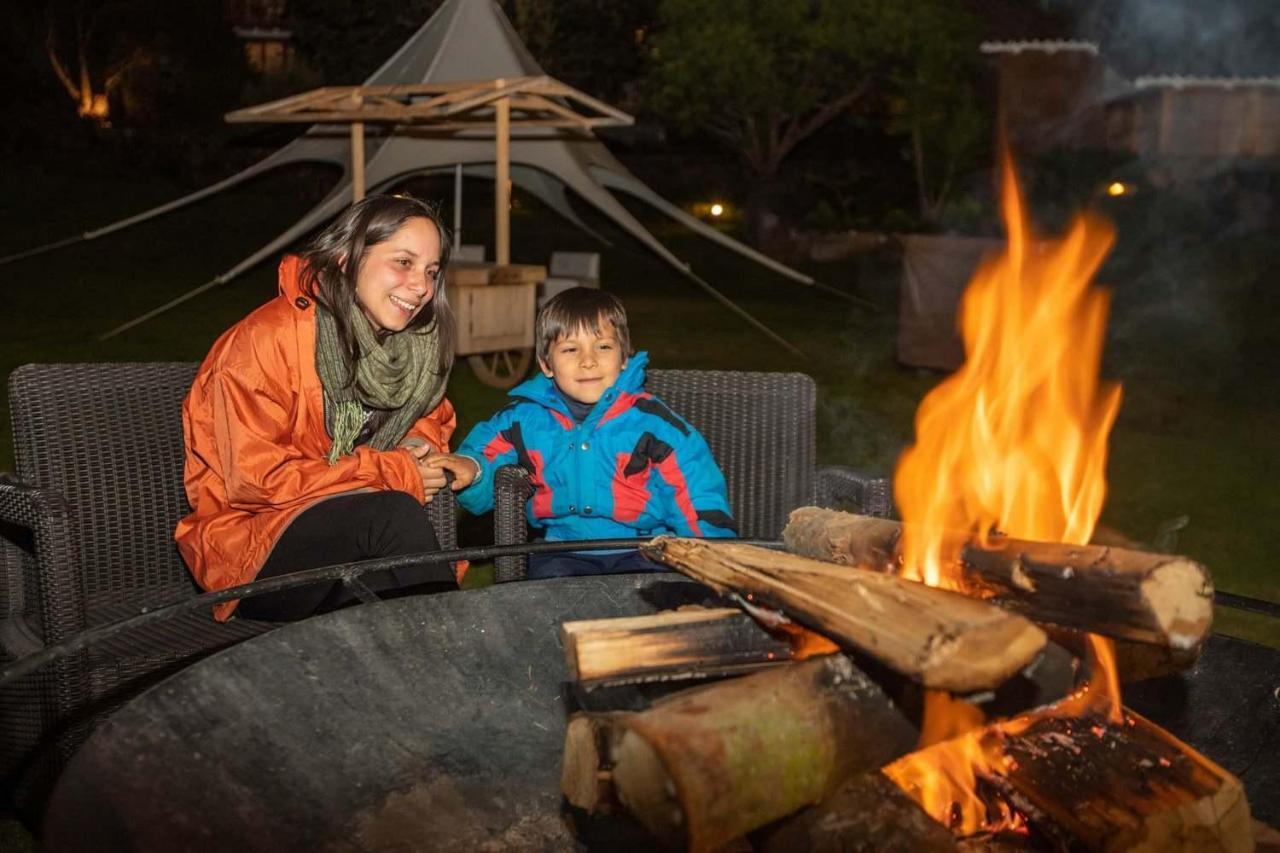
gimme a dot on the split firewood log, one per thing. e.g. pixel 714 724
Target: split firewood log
pixel 941 639
pixel 1133 595
pixel 671 645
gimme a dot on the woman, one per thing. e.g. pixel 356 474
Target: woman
pixel 309 424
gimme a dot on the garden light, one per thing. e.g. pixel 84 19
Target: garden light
pixel 717 209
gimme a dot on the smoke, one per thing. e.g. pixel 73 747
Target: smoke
pixel 1184 37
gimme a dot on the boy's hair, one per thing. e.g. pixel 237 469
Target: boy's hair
pixel 580 308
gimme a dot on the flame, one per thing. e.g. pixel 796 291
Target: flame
pixel 1017 437
pixel 805 643
pixel 1015 441
pixel 944 780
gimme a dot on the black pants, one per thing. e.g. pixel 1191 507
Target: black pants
pixel 576 563
pixel 341 530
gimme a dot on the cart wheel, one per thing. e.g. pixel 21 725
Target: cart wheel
pixel 503 368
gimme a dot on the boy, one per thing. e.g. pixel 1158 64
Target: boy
pixel 608 459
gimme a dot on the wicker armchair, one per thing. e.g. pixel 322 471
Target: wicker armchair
pixel 86 538
pixel 760 427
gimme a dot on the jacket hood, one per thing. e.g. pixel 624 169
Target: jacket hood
pixel 542 390
pixel 290 277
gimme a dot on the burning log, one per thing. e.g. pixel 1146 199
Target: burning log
pixel 1134 661
pixel 713 763
pixel 867 814
pixel 1131 595
pixel 1110 786
pixel 672 645
pixel 939 638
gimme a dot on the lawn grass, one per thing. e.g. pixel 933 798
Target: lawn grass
pixel 1179 449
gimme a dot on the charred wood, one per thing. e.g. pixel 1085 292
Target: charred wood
pixel 1134 595
pixel 671 645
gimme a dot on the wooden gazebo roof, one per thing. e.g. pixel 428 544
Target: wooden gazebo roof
pixel 533 102
pixel 483 105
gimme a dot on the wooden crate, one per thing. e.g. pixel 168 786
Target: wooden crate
pixel 468 274
pixel 494 317
pixel 518 274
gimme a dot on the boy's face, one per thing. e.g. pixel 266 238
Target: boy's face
pixel 583 364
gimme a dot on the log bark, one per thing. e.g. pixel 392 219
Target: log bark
pixel 671 645
pixel 1118 592
pixel 713 763
pixel 941 639
pixel 1128 786
pixel 867 814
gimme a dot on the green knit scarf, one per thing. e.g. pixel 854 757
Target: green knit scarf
pixel 395 375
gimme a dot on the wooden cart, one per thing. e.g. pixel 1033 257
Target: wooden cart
pixel 495 306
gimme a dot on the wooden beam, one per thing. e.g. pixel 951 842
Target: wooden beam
pixel 1119 592
pixel 941 639
pixel 357 158
pixel 502 182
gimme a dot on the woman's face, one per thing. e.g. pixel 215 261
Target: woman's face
pixel 398 276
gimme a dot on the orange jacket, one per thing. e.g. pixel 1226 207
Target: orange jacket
pixel 256 442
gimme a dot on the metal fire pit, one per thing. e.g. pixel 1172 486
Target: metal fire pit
pixel 437 723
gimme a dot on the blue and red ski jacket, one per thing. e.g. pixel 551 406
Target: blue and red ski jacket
pixel 632 468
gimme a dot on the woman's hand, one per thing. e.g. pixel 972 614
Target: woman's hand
pixel 465 469
pixel 433 478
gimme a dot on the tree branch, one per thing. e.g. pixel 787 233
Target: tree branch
pixel 59 70
pixel 798 130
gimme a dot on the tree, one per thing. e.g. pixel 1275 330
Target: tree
pixel 605 59
pixel 138 59
pixel 347 40
pixel 763 76
pixel 934 106
pixel 88 62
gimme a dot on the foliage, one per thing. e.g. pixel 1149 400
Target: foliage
pixel 763 76
pixel 605 59
pixel 935 108
pixel 347 40
pixel 130 62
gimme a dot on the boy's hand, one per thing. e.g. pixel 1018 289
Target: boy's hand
pixel 433 479
pixel 465 469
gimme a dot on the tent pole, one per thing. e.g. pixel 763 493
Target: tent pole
pixel 502 182
pixel 457 204
pixel 357 154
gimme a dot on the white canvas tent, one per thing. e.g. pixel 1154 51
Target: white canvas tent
pixel 463 40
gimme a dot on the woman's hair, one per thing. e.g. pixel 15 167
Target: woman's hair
pixel 330 279
pixel 580 308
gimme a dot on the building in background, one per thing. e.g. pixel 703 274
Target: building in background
pixel 1065 95
pixel 264 28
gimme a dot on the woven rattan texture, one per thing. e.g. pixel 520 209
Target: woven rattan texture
pixel 99 452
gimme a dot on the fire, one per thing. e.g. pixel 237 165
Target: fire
pixel 1017 437
pixel 1015 441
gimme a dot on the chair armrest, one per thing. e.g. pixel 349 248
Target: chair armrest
pixel 59 603
pixel 869 495
pixel 511 490
pixel 443 512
